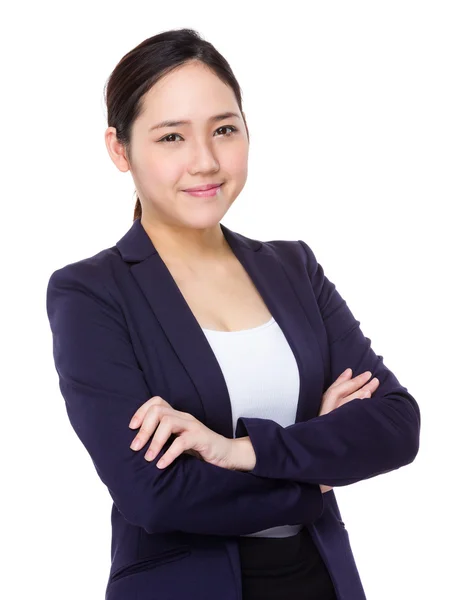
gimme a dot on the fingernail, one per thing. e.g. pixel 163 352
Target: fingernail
pixel 133 423
pixel 346 372
pixel 135 444
pixel 150 455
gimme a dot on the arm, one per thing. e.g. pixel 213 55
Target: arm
pixel 243 456
pixel 356 441
pixel 103 385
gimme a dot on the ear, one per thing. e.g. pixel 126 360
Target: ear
pixel 116 150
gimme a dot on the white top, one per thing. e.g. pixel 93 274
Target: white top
pixel 262 378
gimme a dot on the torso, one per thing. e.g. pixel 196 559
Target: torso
pixel 222 296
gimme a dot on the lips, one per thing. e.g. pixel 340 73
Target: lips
pixel 203 188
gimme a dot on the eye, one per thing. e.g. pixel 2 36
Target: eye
pixel 167 140
pixel 228 127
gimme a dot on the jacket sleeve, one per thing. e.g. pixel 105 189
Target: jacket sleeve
pixel 360 439
pixel 103 385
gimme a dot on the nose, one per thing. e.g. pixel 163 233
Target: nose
pixel 203 159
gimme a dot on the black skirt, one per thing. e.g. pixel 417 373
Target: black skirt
pixel 287 568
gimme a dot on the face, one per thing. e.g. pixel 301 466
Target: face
pixel 166 160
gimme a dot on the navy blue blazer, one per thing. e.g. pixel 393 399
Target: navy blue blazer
pixel 123 332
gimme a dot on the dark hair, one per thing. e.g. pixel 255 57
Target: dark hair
pixel 143 66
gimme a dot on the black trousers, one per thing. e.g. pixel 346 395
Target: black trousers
pixel 289 568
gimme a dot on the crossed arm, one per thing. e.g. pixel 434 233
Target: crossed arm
pixel 103 386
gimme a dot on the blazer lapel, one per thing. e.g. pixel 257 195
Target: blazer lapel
pixel 191 345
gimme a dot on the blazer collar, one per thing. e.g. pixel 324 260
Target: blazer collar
pixel 282 295
pixel 136 244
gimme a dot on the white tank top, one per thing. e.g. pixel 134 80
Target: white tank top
pixel 262 378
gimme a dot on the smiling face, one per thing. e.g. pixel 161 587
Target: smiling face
pixel 167 159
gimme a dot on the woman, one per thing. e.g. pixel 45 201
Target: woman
pixel 238 360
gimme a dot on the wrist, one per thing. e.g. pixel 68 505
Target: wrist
pixel 244 458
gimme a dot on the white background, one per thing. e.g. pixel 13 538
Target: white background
pixel 348 106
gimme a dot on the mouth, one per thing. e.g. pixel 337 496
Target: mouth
pixel 203 188
pixel 206 191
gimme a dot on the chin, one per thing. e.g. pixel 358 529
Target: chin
pixel 204 216
pixel 206 222
pixel 204 219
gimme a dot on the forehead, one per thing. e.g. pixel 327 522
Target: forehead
pixel 191 91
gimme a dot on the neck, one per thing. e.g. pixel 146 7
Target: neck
pixel 188 246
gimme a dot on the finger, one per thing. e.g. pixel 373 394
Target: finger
pixel 142 411
pixel 169 424
pixel 360 395
pixel 139 415
pixel 370 387
pixel 356 383
pixel 364 392
pixel 345 375
pixel 152 418
pixel 177 448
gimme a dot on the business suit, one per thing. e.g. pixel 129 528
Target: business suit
pixel 123 332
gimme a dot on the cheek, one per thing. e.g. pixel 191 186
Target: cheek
pixel 236 162
pixel 161 173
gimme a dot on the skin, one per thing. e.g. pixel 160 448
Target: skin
pixel 237 454
pixel 186 232
pixel 182 227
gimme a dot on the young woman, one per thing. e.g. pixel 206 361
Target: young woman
pixel 243 368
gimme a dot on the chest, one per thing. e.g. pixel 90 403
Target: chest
pixel 166 308
pixel 222 297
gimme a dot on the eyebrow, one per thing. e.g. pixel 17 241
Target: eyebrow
pixel 214 119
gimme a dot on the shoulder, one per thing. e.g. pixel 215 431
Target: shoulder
pixel 87 274
pixel 298 251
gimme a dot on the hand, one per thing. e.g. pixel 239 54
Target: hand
pixel 344 390
pixel 157 417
